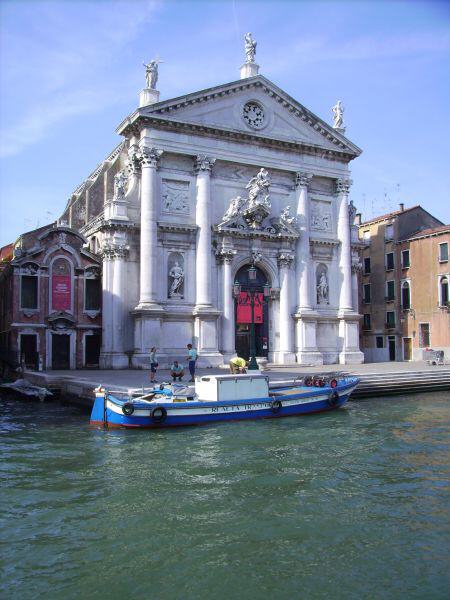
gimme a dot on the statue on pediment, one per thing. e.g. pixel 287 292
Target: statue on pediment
pixel 338 112
pixel 258 190
pixel 120 181
pixel 285 216
pixel 250 48
pixel 232 211
pixel 151 73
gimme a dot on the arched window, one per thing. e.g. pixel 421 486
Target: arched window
pixel 406 296
pixel 443 291
pixel 61 282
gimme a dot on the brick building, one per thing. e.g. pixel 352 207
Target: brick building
pixel 404 285
pixel 50 300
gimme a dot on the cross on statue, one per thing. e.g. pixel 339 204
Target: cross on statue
pixel 151 72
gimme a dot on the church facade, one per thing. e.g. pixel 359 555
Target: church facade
pixel 202 188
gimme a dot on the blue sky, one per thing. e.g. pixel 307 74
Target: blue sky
pixel 71 71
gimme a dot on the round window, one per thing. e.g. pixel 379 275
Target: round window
pixel 253 114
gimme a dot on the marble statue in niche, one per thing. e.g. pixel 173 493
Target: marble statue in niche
pixel 176 276
pixel 322 285
pixel 175 197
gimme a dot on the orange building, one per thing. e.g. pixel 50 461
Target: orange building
pixel 404 285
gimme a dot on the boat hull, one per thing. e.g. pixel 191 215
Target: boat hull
pixel 108 411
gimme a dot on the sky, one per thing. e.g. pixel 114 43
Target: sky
pixel 70 71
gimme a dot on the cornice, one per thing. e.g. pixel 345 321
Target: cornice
pixel 249 234
pixel 138 118
pixel 164 226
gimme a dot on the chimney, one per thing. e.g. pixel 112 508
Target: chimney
pixel 402 207
pixel 358 219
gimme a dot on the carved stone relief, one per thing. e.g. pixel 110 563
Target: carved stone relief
pixel 320 219
pixel 175 197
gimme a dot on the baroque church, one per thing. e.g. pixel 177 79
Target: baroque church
pixel 202 188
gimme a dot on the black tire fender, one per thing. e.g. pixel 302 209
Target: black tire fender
pixel 128 409
pixel 158 414
pixel 333 399
pixel 276 406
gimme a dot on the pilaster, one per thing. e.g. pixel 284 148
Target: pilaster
pixel 285 353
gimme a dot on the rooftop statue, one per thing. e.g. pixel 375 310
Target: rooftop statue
pixel 250 47
pixel 338 111
pixel 151 73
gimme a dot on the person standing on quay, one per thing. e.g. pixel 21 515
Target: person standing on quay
pixel 153 364
pixel 192 358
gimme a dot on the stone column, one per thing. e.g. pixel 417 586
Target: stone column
pixel 119 359
pixel 285 353
pixel 306 318
pixel 203 168
pixel 225 257
pixel 107 313
pixel 302 255
pixel 149 231
pixel 348 334
pixel 343 234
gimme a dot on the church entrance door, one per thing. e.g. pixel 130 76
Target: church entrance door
pixel 243 329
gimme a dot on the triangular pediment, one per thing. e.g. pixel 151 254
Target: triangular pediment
pixel 250 106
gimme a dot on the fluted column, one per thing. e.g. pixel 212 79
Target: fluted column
pixel 343 233
pixel 302 275
pixel 149 232
pixel 225 257
pixel 203 168
pixel 285 353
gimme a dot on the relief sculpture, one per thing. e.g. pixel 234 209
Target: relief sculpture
pixel 175 197
pixel 320 216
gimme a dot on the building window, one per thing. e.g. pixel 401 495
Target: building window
pixel 366 234
pixel 443 252
pixel 93 294
pixel 406 295
pixel 390 319
pixel 366 293
pixel 389 232
pixel 367 266
pixel 443 291
pixel 390 291
pixel 389 261
pixel 380 341
pixel 424 335
pixel 29 292
pixel 366 321
pixel 405 259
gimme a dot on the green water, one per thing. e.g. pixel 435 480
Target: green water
pixel 349 504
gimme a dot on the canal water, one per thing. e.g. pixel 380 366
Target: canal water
pixel 349 504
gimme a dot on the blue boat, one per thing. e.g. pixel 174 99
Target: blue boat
pixel 218 398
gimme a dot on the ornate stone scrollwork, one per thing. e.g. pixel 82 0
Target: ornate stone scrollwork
pixel 150 157
pixel 114 251
pixel 134 160
pixel 302 179
pixel 343 185
pixel 285 259
pixel 204 163
pixel 225 255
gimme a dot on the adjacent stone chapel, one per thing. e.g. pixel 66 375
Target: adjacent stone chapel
pixel 203 187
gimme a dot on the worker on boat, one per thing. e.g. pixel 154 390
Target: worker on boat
pixel 177 371
pixel 238 365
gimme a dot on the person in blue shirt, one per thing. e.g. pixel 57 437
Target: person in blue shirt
pixel 153 364
pixel 192 358
pixel 177 371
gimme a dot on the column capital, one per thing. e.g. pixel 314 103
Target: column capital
pixel 204 163
pixel 225 255
pixel 150 156
pixel 302 179
pixel 115 251
pixel 343 185
pixel 285 259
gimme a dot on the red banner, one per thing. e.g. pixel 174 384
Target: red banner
pixel 244 308
pixel 61 292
